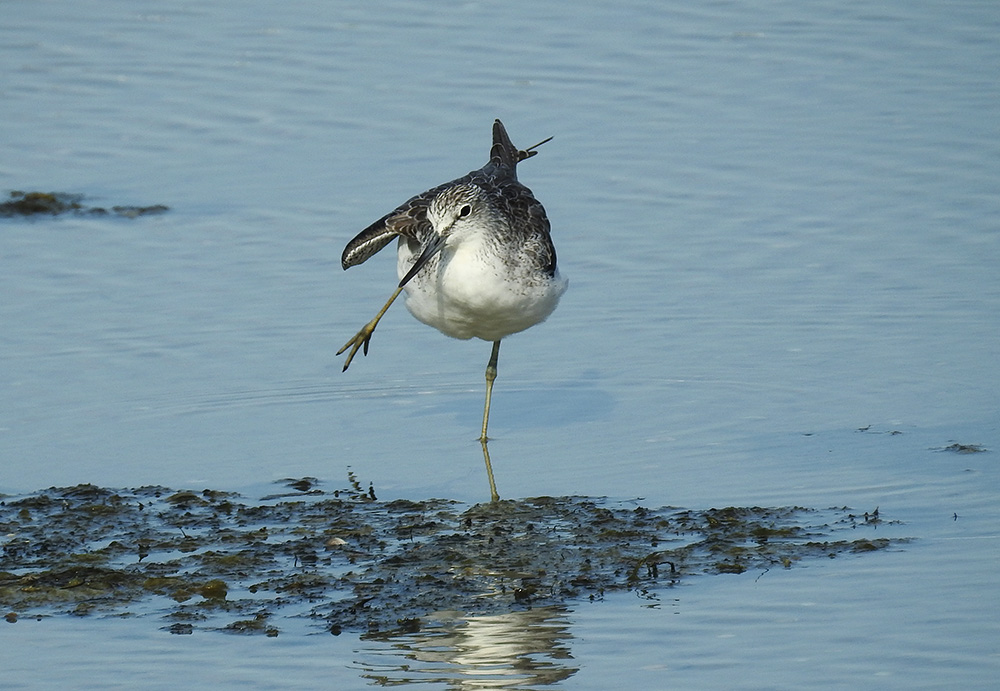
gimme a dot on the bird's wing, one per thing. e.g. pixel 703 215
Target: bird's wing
pixel 408 220
pixel 530 223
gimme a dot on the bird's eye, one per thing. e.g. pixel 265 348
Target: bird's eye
pixel 464 211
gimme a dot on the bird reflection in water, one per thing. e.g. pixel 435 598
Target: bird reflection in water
pixel 514 650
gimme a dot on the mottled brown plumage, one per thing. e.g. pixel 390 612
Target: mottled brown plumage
pixel 498 176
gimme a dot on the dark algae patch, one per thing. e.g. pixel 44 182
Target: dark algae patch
pixel 964 448
pixel 347 562
pixel 57 203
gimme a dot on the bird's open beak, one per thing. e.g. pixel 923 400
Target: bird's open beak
pixel 432 247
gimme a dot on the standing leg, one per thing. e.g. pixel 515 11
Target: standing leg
pixel 491 375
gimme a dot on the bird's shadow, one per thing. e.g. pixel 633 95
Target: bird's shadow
pixel 527 405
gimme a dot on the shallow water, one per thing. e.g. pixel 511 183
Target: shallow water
pixel 779 227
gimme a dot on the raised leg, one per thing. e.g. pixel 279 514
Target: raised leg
pixel 362 337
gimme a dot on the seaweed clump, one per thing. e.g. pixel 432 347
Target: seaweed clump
pixel 346 561
pixel 58 203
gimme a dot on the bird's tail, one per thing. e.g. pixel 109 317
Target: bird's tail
pixel 504 153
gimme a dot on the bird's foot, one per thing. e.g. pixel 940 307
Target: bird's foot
pixel 362 337
pixel 360 340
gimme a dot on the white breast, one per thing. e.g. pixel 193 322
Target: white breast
pixel 467 291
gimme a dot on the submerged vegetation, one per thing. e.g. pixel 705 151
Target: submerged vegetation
pixel 214 560
pixel 56 203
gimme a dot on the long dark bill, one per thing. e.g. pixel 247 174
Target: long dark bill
pixel 432 247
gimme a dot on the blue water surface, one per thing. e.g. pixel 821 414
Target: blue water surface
pixel 780 226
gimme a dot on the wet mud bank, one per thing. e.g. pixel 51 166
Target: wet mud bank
pixel 215 560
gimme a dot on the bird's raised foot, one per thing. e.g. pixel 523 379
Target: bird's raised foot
pixel 362 337
pixel 360 340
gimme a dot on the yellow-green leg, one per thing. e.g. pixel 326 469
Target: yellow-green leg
pixel 362 337
pixel 491 375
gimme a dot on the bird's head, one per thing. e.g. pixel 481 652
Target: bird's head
pixel 459 214
pixel 458 211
